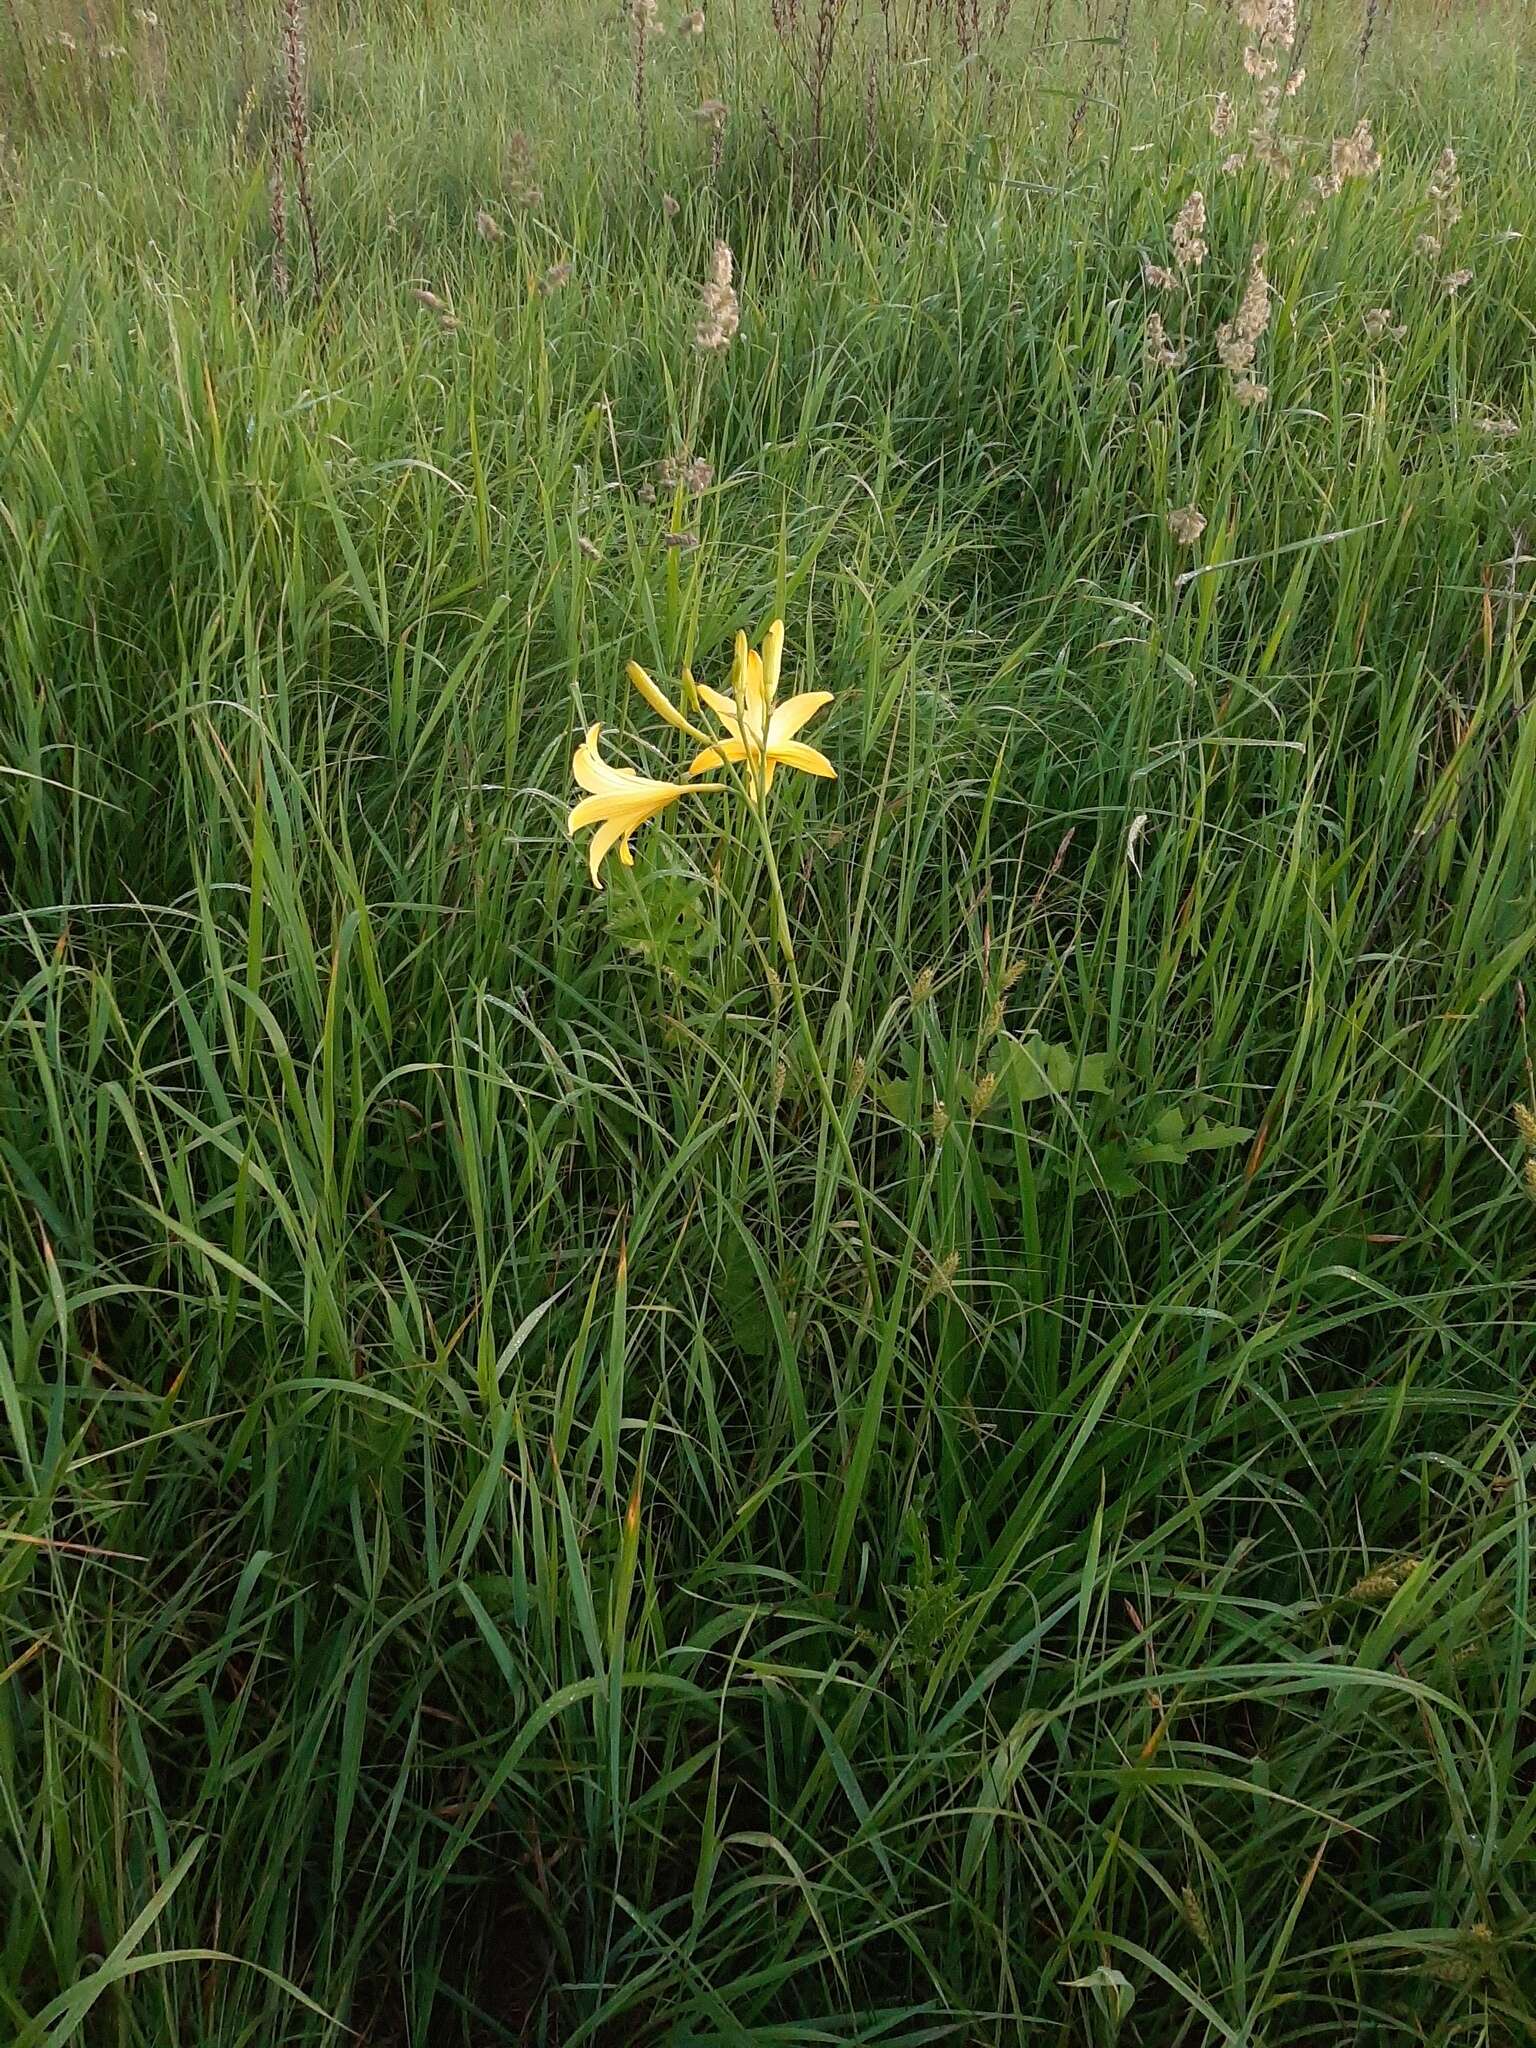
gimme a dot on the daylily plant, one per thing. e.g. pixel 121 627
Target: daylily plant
pixel 759 735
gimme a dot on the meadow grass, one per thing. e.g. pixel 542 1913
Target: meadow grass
pixel 550 1494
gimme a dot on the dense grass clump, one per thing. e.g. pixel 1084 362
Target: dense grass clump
pixel 571 1476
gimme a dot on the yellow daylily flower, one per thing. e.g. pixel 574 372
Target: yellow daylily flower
pixel 761 733
pixel 620 802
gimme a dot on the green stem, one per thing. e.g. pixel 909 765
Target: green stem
pixel 758 807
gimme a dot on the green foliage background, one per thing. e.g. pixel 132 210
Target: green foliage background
pixel 479 1561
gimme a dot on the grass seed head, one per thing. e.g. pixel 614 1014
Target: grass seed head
pixel 1186 525
pixel 1272 21
pixel 522 173
pixel 1355 155
pixel 719 308
pixel 690 473
pixel 1445 190
pixel 1190 247
pixel 1237 339
pixel 1159 352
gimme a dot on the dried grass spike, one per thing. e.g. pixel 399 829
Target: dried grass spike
pixel 292 37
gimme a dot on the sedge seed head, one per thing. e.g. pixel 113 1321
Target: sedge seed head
pixel 1383 1582
pixel 1194 1915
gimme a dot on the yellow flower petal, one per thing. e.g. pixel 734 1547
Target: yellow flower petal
pixel 584 762
pixel 603 842
pixel 716 756
pixel 723 708
pixel 794 712
pixel 592 810
pixel 602 777
pixel 795 754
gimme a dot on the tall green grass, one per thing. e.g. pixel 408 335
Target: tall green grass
pixel 482 1557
